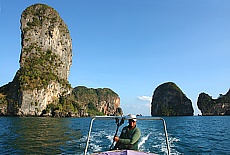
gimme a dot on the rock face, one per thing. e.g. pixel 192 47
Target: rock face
pixel 169 100
pixel 104 100
pixel 3 105
pixel 45 62
pixel 40 86
pixel 209 106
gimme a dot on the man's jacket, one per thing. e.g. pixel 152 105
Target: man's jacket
pixel 129 138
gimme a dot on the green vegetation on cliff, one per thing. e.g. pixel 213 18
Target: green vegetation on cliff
pixel 90 99
pixel 39 69
pixel 40 14
pixel 39 65
pixel 63 105
pixel 83 101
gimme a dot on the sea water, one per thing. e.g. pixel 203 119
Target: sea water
pixel 44 135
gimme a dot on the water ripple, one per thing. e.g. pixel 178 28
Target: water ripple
pixel 187 135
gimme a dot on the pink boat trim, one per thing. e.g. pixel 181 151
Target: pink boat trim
pixel 124 152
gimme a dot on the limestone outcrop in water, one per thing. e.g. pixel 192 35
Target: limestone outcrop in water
pixel 214 107
pixel 169 100
pixel 40 86
pixel 104 100
pixel 45 61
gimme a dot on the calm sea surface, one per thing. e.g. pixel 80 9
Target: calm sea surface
pixel 187 135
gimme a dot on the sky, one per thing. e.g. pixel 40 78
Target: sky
pixel 133 46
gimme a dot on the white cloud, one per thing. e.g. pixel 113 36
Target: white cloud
pixel 145 98
pixel 138 105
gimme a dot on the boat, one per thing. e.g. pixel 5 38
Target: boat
pixel 119 121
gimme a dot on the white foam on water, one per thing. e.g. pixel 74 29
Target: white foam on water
pixel 173 139
pixel 143 139
pixel 150 141
pixel 110 137
pixel 97 140
pixel 95 148
pixel 163 146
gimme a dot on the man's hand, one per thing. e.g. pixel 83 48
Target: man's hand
pixel 116 138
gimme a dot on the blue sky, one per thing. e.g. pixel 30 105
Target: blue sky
pixel 133 46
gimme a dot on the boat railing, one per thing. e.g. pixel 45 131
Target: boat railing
pixel 126 118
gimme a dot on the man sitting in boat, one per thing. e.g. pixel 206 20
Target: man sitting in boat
pixel 129 136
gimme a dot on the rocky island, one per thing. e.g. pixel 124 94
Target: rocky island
pixel 169 100
pixel 40 86
pixel 214 107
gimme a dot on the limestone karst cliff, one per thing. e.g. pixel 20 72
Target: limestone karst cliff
pixel 209 106
pixel 103 100
pixel 169 100
pixel 45 61
pixel 40 86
